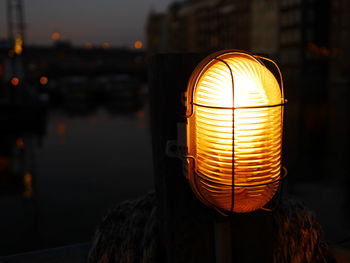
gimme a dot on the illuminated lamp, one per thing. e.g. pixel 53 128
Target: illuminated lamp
pixel 15 81
pixel 234 111
pixel 44 80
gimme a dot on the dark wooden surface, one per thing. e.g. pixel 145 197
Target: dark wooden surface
pixel 186 228
pixel 253 237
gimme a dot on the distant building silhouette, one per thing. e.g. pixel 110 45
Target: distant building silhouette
pixel 309 39
pixel 340 42
pixel 304 55
pixel 201 26
pixel 304 44
pixel 155 32
pixel 265 27
pixel 339 88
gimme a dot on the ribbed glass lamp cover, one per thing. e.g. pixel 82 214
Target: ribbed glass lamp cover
pixel 240 81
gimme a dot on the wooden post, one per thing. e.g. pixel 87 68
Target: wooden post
pixel 186 229
pixel 187 226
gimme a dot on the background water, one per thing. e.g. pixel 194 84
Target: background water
pixel 81 158
pixel 89 158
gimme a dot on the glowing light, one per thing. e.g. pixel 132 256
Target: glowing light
pixel 138 44
pixel 20 143
pixel 15 81
pixel 140 114
pixel 27 178
pixel 28 185
pixel 44 80
pixel 61 128
pixel 325 51
pixel 252 151
pixel 18 49
pixel 56 36
pixel 105 45
pixel 89 46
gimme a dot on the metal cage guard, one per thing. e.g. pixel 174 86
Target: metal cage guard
pixel 190 95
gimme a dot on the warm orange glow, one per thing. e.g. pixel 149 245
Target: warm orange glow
pixel 257 133
pixel 140 114
pixel 15 81
pixel 20 143
pixel 138 44
pixel 325 51
pixel 89 46
pixel 61 128
pixel 18 45
pixel 28 185
pixel 105 45
pixel 27 178
pixel 56 36
pixel 44 80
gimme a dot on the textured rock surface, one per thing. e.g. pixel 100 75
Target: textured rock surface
pixel 299 236
pixel 129 234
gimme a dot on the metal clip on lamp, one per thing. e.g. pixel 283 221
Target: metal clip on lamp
pixel 234 111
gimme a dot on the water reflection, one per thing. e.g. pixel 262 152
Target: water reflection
pixel 62 170
pixel 63 165
pixel 18 140
pixel 22 129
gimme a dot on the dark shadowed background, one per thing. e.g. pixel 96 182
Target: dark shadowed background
pixel 74 110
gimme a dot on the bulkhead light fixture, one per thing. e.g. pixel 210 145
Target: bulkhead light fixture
pixel 234 111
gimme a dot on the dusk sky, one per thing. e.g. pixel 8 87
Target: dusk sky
pixel 119 22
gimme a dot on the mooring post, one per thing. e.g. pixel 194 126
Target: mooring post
pixel 185 226
pixel 188 229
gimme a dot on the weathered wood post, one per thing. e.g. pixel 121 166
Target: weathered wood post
pixel 187 231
